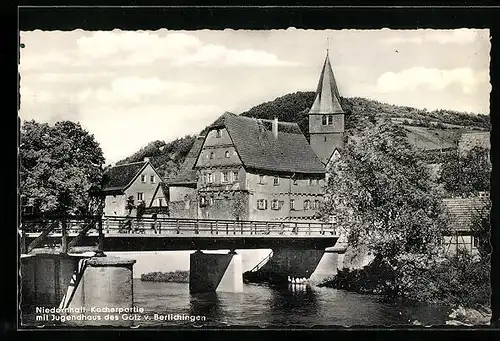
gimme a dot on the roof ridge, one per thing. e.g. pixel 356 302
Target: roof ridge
pixel 128 164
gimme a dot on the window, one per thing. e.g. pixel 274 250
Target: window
pixel 160 202
pixel 235 176
pixel 474 241
pixel 140 196
pixel 226 154
pixel 292 204
pixel 261 179
pixel 327 120
pixel 203 201
pixel 187 204
pixel 210 178
pixel 143 178
pixel 152 178
pixel 316 204
pixel 211 201
pixel 262 204
pixel 310 182
pixel 224 176
pixel 307 205
pixel 217 133
pixel 275 205
pixel 276 181
pixel 211 155
pixel 325 138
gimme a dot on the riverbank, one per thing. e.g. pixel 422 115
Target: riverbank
pixel 177 276
pixel 447 283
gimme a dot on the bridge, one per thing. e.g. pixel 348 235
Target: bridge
pixel 56 271
pixel 170 234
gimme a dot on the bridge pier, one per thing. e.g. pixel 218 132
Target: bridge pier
pixel 45 278
pixel 107 282
pixel 210 272
pixel 54 280
pixel 329 265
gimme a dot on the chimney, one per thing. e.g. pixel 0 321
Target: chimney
pixel 146 159
pixel 275 128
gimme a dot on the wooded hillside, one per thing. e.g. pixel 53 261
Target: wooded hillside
pixel 168 157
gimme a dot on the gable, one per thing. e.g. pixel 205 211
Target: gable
pixel 334 157
pixel 218 150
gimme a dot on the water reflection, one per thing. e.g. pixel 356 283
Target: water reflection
pixel 208 305
pixel 290 303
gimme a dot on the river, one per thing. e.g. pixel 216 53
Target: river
pixel 260 305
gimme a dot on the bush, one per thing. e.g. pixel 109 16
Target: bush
pixel 456 281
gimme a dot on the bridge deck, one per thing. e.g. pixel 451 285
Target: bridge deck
pixel 188 234
pixel 151 242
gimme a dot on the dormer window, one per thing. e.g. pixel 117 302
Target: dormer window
pixel 218 133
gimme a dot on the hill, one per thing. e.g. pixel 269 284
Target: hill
pixel 439 127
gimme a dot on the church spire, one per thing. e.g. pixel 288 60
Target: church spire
pixel 327 100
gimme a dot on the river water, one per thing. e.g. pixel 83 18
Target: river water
pixel 261 305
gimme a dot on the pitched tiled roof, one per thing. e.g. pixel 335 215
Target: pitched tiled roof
pixel 187 173
pixel 118 177
pixel 463 210
pixel 258 149
pixel 327 100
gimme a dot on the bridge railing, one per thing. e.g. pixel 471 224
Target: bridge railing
pixel 118 225
pixel 78 227
pixel 59 226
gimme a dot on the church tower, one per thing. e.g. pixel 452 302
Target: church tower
pixel 326 117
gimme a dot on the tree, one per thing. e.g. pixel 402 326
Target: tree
pixel 60 168
pixel 467 174
pixel 481 229
pixel 383 195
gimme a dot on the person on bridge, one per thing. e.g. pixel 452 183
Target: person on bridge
pixel 154 223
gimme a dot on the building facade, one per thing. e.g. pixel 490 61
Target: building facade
pixel 133 182
pixel 254 169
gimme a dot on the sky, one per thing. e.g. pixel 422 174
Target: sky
pixel 129 88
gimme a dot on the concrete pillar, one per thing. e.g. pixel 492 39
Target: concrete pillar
pixel 210 272
pixel 107 283
pixel 45 279
pixel 327 267
pixel 293 263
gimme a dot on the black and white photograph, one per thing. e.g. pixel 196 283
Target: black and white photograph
pixel 254 178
